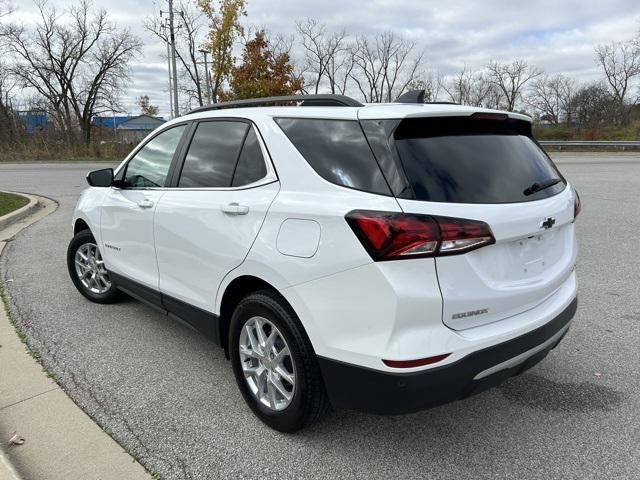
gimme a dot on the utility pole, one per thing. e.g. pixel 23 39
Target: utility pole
pixel 206 74
pixel 165 27
pixel 172 38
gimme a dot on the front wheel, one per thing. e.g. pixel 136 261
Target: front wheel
pixel 87 270
pixel 274 363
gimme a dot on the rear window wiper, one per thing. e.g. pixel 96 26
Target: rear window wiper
pixel 536 187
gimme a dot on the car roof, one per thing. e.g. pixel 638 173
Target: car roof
pixel 368 111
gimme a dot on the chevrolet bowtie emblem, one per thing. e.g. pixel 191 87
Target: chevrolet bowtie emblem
pixel 547 223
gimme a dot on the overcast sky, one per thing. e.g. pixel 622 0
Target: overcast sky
pixel 557 36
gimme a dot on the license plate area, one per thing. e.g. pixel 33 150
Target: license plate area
pixel 534 254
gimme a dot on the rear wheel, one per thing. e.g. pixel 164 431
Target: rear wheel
pixel 274 363
pixel 87 269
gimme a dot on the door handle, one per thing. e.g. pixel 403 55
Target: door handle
pixel 146 203
pixel 235 209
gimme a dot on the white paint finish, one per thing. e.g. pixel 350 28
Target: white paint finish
pixel 198 243
pixel 353 309
pixel 128 227
pixel 298 237
pixel 89 209
pixel 390 310
pixel 521 270
pixel 338 250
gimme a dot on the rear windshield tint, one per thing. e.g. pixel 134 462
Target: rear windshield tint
pixel 338 151
pixel 467 160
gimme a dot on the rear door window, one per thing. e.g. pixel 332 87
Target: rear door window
pixel 212 154
pixel 468 160
pixel 338 151
pixel 251 165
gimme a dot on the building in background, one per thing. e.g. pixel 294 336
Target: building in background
pixel 33 121
pixel 124 129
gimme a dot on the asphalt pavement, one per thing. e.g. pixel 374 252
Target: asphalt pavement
pixel 169 395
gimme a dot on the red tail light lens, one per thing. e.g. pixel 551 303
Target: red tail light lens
pixel 393 236
pixel 577 206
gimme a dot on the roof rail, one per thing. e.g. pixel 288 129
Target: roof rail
pixel 319 100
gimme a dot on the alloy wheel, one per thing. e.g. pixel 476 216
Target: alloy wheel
pixel 91 270
pixel 267 363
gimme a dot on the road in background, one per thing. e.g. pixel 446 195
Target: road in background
pixel 169 394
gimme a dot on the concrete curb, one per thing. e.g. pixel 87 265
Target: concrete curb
pixel 20 213
pixel 61 441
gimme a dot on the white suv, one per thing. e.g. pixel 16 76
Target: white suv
pixel 381 257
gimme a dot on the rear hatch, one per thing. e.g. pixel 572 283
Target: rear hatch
pixel 489 169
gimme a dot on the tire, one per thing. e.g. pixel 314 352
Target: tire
pixel 308 402
pixel 96 286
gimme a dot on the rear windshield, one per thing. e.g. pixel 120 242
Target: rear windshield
pixel 468 160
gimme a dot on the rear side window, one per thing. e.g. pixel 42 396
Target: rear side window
pixel 338 151
pixel 213 154
pixel 468 160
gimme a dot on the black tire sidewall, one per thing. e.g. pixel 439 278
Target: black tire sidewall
pixel 82 237
pixel 294 416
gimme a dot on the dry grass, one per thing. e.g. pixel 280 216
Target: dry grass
pixel 59 151
pixel 611 132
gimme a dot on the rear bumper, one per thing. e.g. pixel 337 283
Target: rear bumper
pixel 353 387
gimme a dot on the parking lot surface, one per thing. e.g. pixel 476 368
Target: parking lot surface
pixel 169 395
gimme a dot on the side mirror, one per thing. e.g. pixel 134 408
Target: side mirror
pixel 100 178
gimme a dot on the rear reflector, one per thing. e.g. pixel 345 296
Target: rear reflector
pixel 393 236
pixel 420 362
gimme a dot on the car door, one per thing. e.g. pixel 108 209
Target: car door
pixel 206 223
pixel 126 223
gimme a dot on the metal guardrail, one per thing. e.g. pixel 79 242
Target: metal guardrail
pixel 621 144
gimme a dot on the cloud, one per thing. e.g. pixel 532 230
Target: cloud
pixel 557 36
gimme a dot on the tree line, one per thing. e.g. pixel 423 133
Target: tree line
pixel 75 64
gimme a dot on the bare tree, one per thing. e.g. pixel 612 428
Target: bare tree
pixel 189 39
pixel 313 34
pixel 593 106
pixel 5 8
pixel 550 96
pixel 432 83
pixel 326 55
pixel 280 42
pixel 385 66
pixel 7 126
pixel 510 79
pixel 77 61
pixel 620 63
pixel 470 88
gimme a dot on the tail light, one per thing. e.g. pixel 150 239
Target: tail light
pixel 394 236
pixel 577 206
